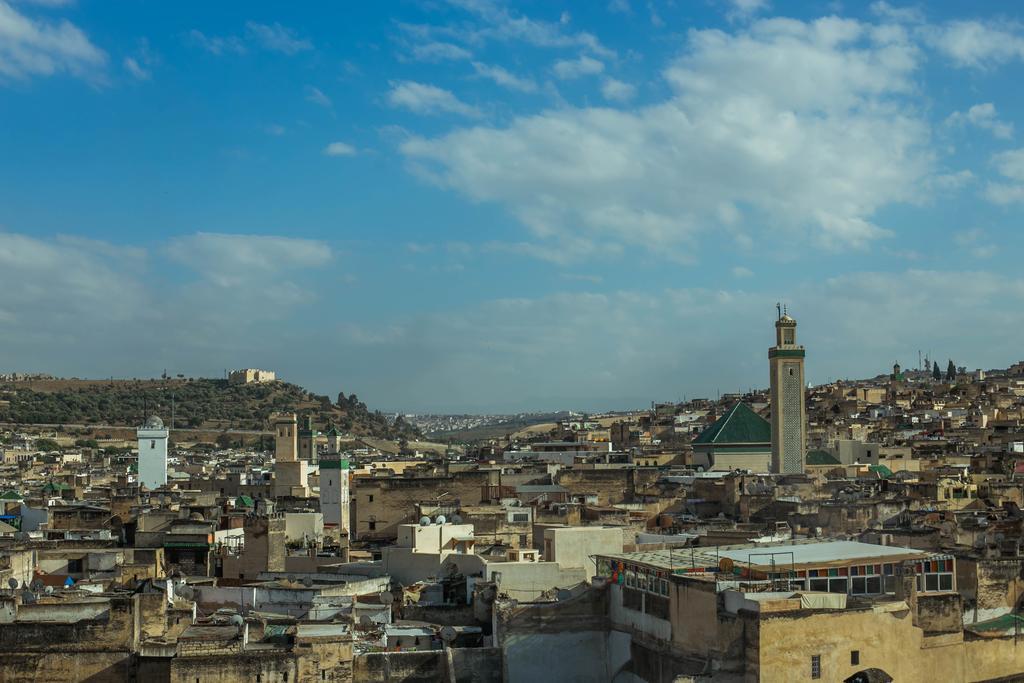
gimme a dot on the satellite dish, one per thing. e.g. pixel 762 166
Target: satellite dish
pixel 291 578
pixel 49 590
pixel 456 519
pixel 37 585
pixel 386 597
pixel 307 582
pixel 13 583
pixel 28 598
pixel 440 519
pixel 237 620
pixel 365 620
pixel 424 521
pixel 448 633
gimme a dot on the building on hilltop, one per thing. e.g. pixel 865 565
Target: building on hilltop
pixel 251 376
pixel 789 412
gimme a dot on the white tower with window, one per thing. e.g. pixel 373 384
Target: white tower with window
pixel 334 496
pixel 153 453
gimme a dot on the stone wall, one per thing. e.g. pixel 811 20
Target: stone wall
pixel 403 667
pixel 237 669
pixel 567 640
pixel 611 485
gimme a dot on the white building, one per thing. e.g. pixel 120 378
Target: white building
pixel 153 453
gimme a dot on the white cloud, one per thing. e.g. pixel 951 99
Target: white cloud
pixel 1010 165
pixel 339 149
pixel 620 6
pixel 423 98
pixel 133 67
pixel 745 9
pixel 275 129
pixel 438 52
pixel 317 97
pixel 575 68
pixel 217 45
pixel 277 38
pixel 502 24
pixel 229 260
pixel 982 116
pixel 811 127
pixel 617 91
pixel 504 78
pixel 742 272
pixel 31 47
pixel 975 44
pixel 905 15
pixel 975 242
pixel 140 64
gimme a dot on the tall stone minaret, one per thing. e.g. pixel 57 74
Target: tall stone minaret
pixel 789 411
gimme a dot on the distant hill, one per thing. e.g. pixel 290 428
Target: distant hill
pixel 197 404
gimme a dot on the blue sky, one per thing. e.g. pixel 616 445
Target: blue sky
pixel 482 206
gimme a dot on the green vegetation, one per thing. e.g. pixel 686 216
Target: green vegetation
pixel 198 404
pixel 47 445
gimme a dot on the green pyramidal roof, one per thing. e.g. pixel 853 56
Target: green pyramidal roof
pixel 740 425
pixel 821 458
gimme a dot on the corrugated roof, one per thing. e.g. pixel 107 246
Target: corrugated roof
pixel 740 425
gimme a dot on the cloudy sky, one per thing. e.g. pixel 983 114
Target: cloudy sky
pixel 478 206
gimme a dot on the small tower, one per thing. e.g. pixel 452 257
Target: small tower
pixel 789 411
pixel 307 440
pixel 284 436
pixel 153 453
pixel 333 439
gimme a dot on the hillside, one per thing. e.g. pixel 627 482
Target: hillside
pixel 197 404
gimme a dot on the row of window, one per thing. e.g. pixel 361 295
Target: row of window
pixel 646 582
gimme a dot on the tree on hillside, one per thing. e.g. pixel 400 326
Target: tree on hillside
pixel 950 371
pixel 47 445
pixel 936 374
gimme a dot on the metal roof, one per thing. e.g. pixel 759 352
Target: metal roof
pixel 806 553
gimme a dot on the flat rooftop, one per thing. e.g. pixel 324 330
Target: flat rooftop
pixel 800 553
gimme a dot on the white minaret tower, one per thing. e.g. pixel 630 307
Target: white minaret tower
pixel 153 453
pixel 789 411
pixel 334 496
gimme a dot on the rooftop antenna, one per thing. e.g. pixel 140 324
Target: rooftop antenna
pixel 785 310
pixel 778 309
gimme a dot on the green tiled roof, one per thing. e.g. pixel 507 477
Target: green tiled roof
pixel 881 470
pixel 740 425
pixel 244 502
pixel 821 458
pixel 1003 623
pixel 10 495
